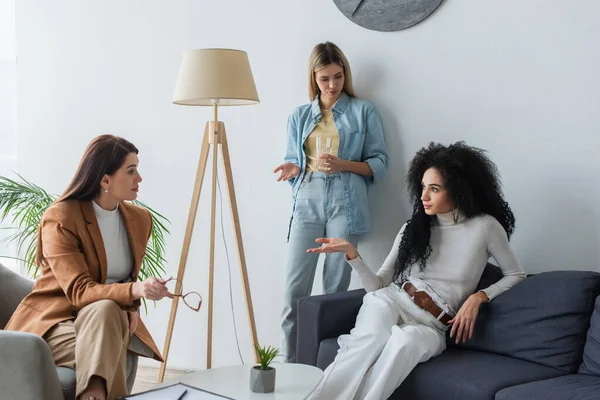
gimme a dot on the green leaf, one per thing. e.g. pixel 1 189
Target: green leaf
pixel 266 355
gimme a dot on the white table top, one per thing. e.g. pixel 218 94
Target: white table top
pixel 292 382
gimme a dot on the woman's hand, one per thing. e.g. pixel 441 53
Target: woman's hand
pixel 331 164
pixel 151 289
pixel 335 245
pixel 463 323
pixel 134 319
pixel 288 171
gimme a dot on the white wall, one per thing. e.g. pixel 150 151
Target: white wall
pixel 8 114
pixel 517 78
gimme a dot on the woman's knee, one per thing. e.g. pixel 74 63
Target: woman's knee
pixel 376 336
pixel 376 315
pixel 296 290
pixel 104 309
pixel 375 340
pixel 423 342
pixel 105 313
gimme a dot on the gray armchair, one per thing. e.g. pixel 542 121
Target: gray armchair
pixel 27 370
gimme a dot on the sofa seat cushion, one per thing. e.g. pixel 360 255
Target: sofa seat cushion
pixel 569 387
pixel 469 375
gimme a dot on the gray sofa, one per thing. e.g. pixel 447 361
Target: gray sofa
pixel 538 341
pixel 27 370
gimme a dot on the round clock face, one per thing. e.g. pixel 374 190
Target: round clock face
pixel 387 15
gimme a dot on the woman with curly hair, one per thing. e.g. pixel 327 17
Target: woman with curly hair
pixel 426 283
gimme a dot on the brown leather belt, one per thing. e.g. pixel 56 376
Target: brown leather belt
pixel 423 300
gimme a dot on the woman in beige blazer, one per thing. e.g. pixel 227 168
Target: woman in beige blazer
pixel 85 303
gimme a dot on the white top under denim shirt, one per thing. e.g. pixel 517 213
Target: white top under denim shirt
pixel 459 254
pixel 360 139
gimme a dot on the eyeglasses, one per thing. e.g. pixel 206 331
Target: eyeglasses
pixel 191 299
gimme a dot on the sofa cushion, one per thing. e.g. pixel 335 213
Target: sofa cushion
pixel 569 387
pixel 591 351
pixel 328 349
pixel 466 374
pixel 491 274
pixel 543 319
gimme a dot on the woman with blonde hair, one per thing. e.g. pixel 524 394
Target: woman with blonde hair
pixel 335 151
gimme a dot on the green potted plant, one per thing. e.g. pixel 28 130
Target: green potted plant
pixel 24 204
pixel 262 376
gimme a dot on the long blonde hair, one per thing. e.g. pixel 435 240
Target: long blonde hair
pixel 322 55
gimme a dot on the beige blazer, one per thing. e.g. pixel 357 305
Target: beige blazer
pixel 75 273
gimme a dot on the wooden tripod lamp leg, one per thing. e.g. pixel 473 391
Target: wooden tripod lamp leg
pixel 214 134
pixel 214 139
pixel 238 237
pixel 186 245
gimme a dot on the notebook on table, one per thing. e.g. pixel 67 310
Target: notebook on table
pixel 178 391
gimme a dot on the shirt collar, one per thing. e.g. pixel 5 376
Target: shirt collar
pixel 339 106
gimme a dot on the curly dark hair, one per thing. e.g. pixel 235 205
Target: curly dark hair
pixel 474 187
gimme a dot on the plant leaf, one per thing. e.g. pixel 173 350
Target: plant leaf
pixel 266 355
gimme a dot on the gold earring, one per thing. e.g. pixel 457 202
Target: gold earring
pixel 455 214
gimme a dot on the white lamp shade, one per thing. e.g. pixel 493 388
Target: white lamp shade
pixel 223 75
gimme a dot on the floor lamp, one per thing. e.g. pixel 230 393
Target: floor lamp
pixel 213 77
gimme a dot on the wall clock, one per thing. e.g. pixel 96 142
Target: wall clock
pixel 387 15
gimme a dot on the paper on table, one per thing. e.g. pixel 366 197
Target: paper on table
pixel 173 392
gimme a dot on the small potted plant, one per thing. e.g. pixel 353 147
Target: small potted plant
pixel 262 376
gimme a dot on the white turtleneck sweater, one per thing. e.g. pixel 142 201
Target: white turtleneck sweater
pixel 116 244
pixel 460 252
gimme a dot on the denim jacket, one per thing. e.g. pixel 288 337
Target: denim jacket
pixel 361 139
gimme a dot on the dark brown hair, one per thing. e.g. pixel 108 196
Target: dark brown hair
pixel 103 156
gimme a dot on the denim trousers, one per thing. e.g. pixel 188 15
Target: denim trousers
pixel 319 211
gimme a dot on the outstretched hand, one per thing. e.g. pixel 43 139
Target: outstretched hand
pixel 287 171
pixel 335 245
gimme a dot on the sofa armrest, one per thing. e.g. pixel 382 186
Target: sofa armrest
pixel 27 370
pixel 322 317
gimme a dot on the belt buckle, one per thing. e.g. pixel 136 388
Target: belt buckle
pixel 439 317
pixel 406 291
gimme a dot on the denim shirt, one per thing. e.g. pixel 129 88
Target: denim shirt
pixel 361 139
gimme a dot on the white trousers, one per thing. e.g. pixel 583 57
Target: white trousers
pixel 392 335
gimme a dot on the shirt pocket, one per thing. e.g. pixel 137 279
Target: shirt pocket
pixel 354 146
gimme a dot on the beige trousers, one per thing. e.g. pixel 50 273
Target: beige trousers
pixel 94 344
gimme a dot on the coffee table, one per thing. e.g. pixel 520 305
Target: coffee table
pixel 292 382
